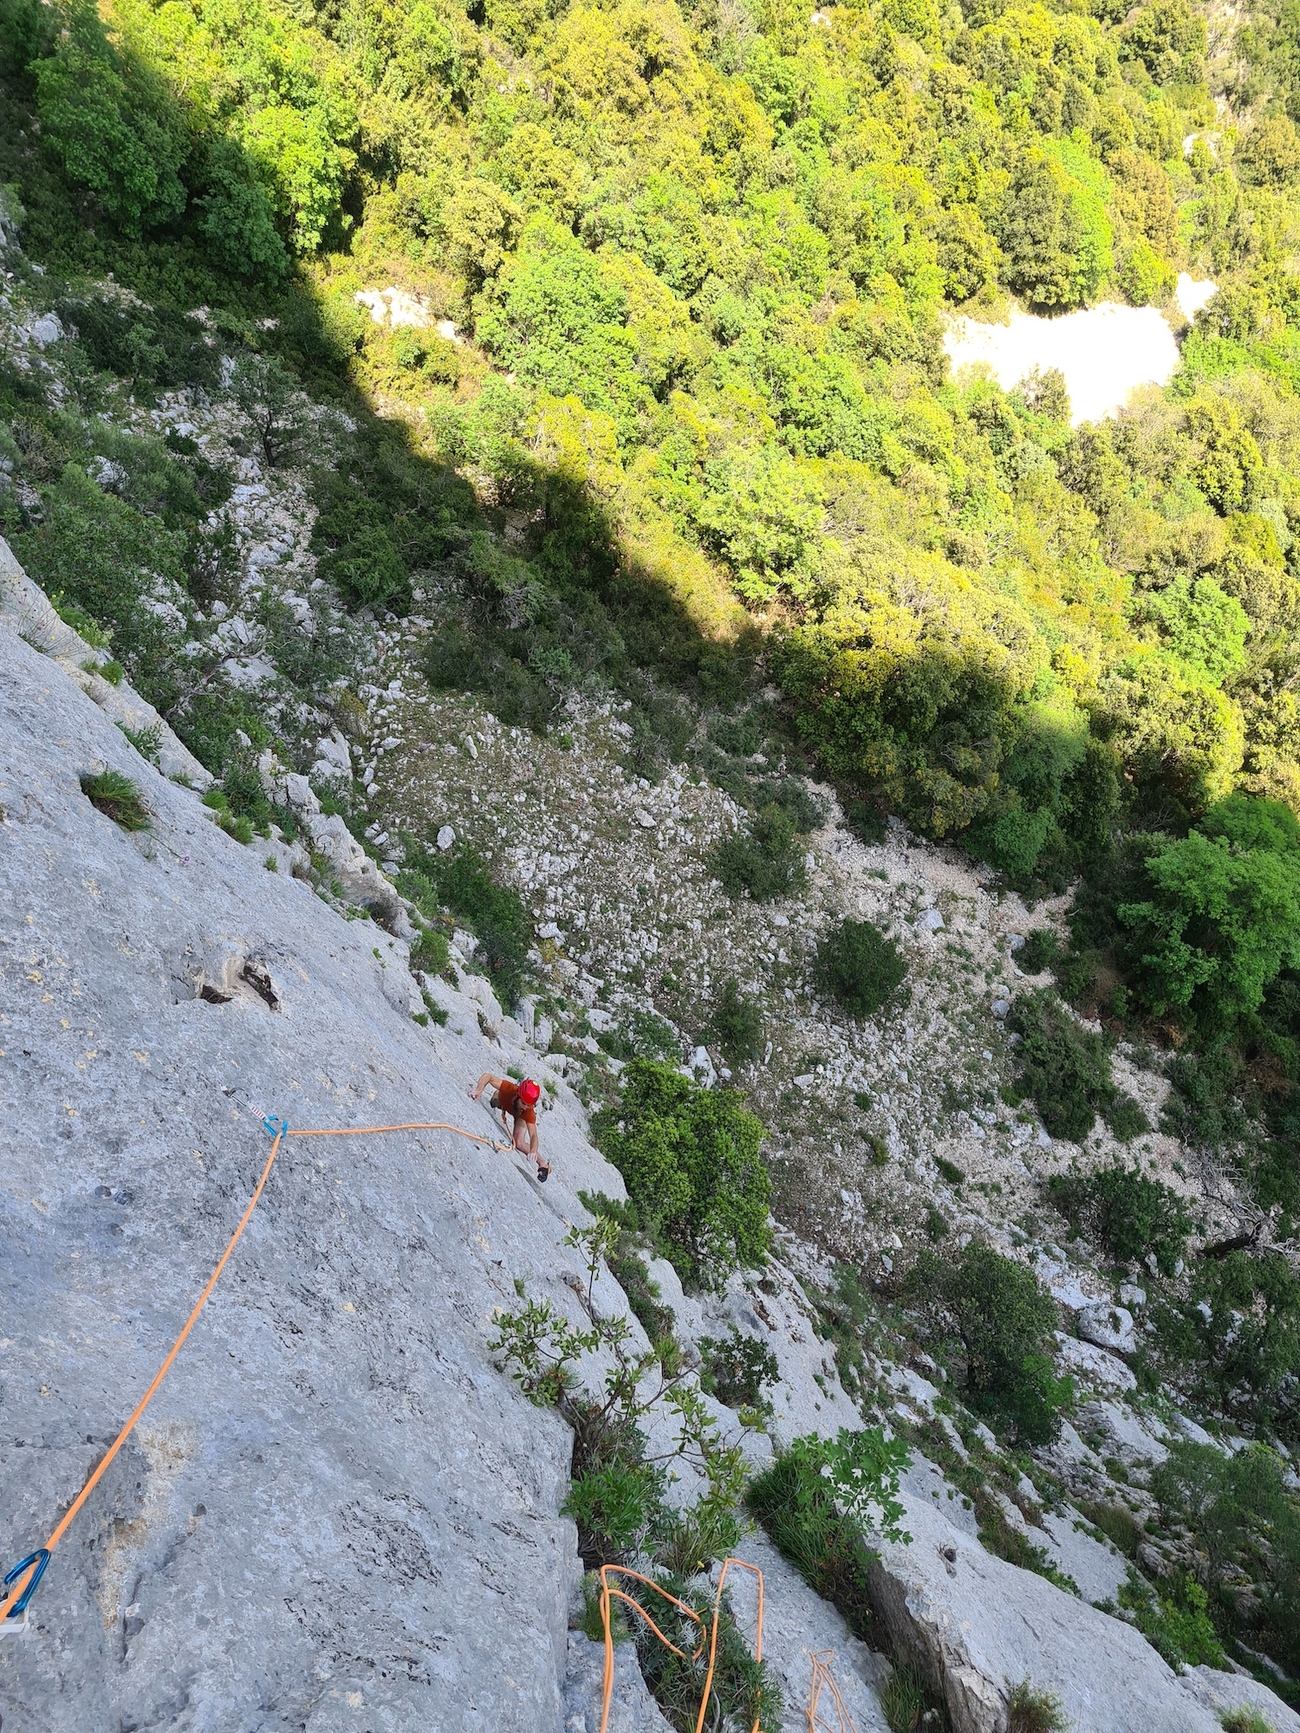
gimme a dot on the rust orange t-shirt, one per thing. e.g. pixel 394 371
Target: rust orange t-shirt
pixel 508 1096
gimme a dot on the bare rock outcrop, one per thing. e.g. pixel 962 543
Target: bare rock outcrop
pixel 976 1626
pixel 337 1513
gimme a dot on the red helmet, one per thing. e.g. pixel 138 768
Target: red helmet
pixel 529 1093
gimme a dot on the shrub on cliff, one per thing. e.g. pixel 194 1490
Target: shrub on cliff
pixel 999 1319
pixel 690 1158
pixel 859 966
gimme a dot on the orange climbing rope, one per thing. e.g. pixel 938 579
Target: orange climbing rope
pixel 23 1579
pixel 824 1680
pixel 713 1635
pixel 609 1594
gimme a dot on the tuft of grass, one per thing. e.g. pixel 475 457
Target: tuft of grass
pixel 1033 1711
pixel 860 967
pixel 147 741
pixel 117 797
pixel 1117 1523
pixel 903 1700
pixel 90 630
pixel 235 824
pixel 1244 1720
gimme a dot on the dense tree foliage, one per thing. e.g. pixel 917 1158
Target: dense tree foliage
pixel 704 254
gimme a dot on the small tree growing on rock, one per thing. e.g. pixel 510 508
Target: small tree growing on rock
pixel 764 860
pixel 736 1025
pixel 1002 1318
pixel 1064 1068
pixel 690 1158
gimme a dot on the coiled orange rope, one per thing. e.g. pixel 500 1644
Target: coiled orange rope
pixel 822 1680
pixel 609 1594
pixel 33 1567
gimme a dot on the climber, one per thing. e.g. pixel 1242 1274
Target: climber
pixel 519 1100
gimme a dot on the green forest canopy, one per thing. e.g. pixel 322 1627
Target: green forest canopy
pixel 704 256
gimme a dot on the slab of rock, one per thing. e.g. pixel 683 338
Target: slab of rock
pixel 338 1513
pixel 631 1707
pixel 797 1624
pixel 1109 1327
pixel 1136 1444
pixel 26 610
pixel 1222 1692
pixel 1098 1568
pixel 1092 1366
pixel 976 1625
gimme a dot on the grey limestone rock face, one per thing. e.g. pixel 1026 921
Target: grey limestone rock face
pixel 337 1514
pixel 797 1624
pixel 1109 1327
pixel 631 1707
pixel 978 1626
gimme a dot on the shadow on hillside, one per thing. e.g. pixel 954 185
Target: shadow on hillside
pixel 528 608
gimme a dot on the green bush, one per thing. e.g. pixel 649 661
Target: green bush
pixel 859 966
pixel 117 797
pixel 147 741
pixel 736 1025
pixel 814 1501
pixel 149 346
pixel 764 861
pixel 1064 1069
pixel 737 1370
pixel 1243 1522
pixel 1041 950
pixel 1032 1711
pixel 1220 915
pixel 1002 1319
pixel 94 634
pixel 460 660
pixel 1126 1117
pixel 112 125
pixel 464 883
pixel 615 1496
pixel 1234 1338
pixel 430 953
pixel 1177 1624
pixel 1126 1213
pixel 641 1034
pixel 690 1159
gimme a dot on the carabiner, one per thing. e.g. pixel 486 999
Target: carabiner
pixel 18 1611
